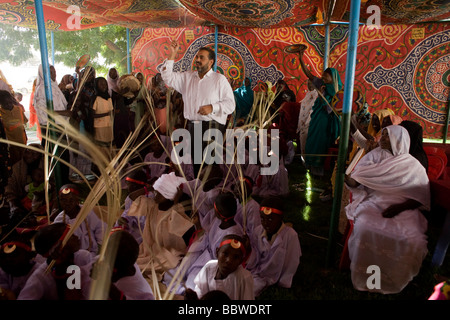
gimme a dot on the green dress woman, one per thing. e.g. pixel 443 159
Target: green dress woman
pixel 324 127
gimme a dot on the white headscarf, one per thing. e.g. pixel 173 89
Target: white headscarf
pixel 396 173
pixel 113 84
pixel 168 185
pixel 40 100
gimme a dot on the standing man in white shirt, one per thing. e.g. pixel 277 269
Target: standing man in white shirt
pixel 207 95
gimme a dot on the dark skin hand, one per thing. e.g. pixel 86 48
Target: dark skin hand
pixel 395 209
pixel 392 210
pixel 352 183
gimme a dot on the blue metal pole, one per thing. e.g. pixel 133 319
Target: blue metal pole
pixel 44 53
pixel 216 35
pixel 128 52
pixel 331 22
pixel 447 119
pixel 53 48
pixel 47 82
pixel 327 46
pixel 345 125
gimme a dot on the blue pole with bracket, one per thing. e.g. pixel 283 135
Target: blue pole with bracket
pixel 53 47
pixel 47 82
pixel 128 52
pixel 345 126
pixel 327 46
pixel 216 36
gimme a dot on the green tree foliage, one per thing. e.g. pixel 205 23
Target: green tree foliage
pixel 106 45
pixel 17 44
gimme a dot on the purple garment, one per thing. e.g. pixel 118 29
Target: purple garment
pixel 253 218
pixel 158 166
pixel 276 261
pixel 90 232
pixel 202 250
pixel 42 286
pixel 133 287
pixel 16 284
pixel 135 224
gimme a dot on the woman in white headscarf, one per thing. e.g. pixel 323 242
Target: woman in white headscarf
pixel 59 108
pixel 389 189
pixel 40 99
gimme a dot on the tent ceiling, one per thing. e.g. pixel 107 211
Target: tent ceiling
pixel 230 13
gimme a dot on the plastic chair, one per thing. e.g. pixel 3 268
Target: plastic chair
pixel 442 245
pixel 344 262
pixel 328 160
pixel 437 162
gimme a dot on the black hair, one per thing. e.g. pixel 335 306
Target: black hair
pixel 217 295
pixel 47 237
pixel 127 248
pixel 211 53
pixel 213 176
pixel 226 204
pixel 7 99
pixel 138 174
pixel 273 202
pixel 241 239
pixel 105 95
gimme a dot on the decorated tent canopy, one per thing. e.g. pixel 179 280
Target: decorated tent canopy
pixel 229 13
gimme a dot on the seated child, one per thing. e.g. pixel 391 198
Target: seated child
pixel 275 248
pixel 91 230
pixel 205 189
pixel 247 214
pixel 167 228
pixel 217 223
pixel 137 186
pixel 276 185
pixel 17 263
pixel 226 273
pixel 34 200
pixel 49 280
pixel 156 160
pixel 127 282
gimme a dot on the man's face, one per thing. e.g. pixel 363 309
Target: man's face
pixel 202 61
pixel 68 201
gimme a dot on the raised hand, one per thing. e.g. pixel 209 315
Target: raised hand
pixel 174 47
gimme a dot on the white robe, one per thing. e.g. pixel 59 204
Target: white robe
pixel 133 287
pixel 202 250
pixel 273 185
pixel 16 284
pixel 304 117
pixel 398 245
pixel 135 224
pixel 42 286
pixel 238 285
pixel 275 261
pixel 252 215
pixel 40 99
pixel 90 232
pixel 158 165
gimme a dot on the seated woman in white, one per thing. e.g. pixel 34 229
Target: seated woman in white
pixel 388 242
